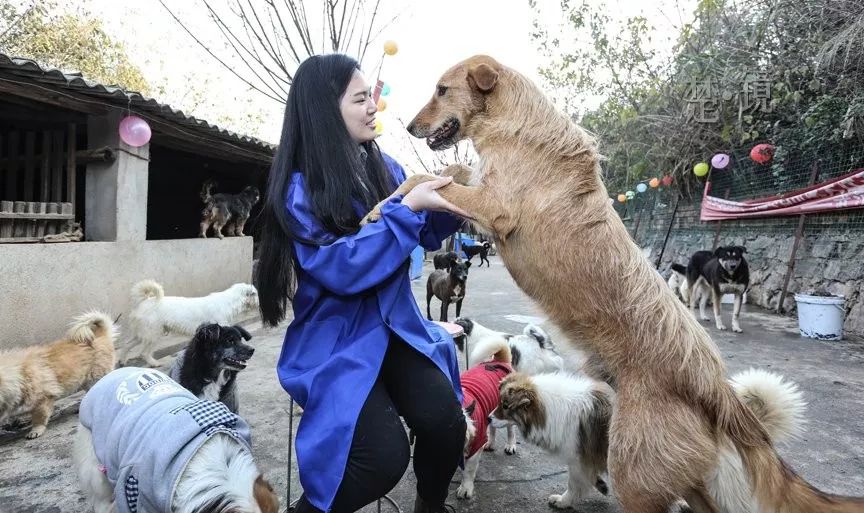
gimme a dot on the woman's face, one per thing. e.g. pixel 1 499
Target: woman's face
pixel 358 109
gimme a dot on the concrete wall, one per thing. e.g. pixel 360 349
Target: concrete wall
pixel 42 286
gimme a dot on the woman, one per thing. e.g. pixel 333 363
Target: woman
pixel 358 354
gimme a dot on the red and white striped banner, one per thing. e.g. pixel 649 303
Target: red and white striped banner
pixel 844 192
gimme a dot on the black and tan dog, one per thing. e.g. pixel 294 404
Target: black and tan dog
pixel 723 271
pixel 209 365
pixel 481 249
pixel 449 287
pixel 226 210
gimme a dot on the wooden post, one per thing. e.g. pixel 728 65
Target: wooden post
pixel 45 167
pixel 668 231
pixel 51 227
pixel 57 167
pixel 12 167
pixel 70 165
pixel 799 233
pixel 29 165
pixel 6 224
pixel 720 223
pixel 32 208
pixel 19 229
pixel 41 208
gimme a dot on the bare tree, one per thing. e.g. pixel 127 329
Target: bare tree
pixel 270 38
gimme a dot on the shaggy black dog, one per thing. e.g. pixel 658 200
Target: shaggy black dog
pixel 209 365
pixel 230 211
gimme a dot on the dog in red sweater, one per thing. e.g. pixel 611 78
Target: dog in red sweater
pixel 480 390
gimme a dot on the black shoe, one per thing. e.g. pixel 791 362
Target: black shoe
pixel 421 506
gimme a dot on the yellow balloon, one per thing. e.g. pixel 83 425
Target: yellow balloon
pixel 700 169
pixel 379 128
pixel 390 47
pixel 382 105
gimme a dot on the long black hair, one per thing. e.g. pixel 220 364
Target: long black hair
pixel 337 172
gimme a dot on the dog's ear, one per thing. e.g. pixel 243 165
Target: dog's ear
pixel 483 76
pixel 469 410
pixel 467 264
pixel 742 249
pixel 208 332
pixel 243 333
pixel 719 251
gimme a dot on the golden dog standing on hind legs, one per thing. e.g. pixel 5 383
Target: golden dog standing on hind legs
pixel 675 408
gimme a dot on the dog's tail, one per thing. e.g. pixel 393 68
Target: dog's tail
pixel 205 191
pixel 146 289
pixel 493 344
pixel 776 487
pixel 777 403
pixel 680 269
pixel 89 326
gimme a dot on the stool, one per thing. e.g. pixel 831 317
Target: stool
pixel 457 333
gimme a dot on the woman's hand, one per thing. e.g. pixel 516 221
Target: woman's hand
pixel 425 197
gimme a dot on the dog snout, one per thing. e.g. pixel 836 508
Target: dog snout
pixel 418 130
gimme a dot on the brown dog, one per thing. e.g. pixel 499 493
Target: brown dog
pixel 31 379
pixel 674 404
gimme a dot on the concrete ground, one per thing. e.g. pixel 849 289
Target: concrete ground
pixel 36 475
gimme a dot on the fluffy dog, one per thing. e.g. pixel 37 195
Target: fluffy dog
pixel 155 315
pixel 209 365
pixel 445 260
pixel 532 351
pixel 144 443
pixel 31 379
pixel 675 409
pixel 569 415
pixel 723 271
pixel 480 391
pixel 449 287
pixel 226 210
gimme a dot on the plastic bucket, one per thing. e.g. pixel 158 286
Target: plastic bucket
pixel 821 317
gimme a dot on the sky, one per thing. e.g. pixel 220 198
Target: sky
pixel 431 35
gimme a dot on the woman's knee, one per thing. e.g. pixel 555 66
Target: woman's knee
pixel 445 422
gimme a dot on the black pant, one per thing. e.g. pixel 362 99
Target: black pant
pixel 411 386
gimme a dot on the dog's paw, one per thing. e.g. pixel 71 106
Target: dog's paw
pixel 560 501
pixel 721 327
pixel 36 432
pixel 510 450
pixel 737 329
pixel 704 318
pixel 489 447
pixel 371 217
pixel 465 491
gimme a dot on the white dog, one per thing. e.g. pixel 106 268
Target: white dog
pixel 568 415
pixel 155 315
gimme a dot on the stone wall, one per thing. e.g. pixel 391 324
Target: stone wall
pixel 830 257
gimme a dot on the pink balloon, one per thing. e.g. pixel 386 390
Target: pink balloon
pixel 134 131
pixel 720 161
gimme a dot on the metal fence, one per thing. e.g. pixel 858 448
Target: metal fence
pixel 822 250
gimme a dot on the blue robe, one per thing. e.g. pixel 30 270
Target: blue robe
pixel 352 294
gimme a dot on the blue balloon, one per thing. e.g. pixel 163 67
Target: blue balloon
pixel 385 90
pixel 641 187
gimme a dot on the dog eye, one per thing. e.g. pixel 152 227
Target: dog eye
pixel 442 90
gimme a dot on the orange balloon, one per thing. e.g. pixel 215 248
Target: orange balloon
pixel 382 105
pixel 390 47
pixel 654 183
pixel 622 198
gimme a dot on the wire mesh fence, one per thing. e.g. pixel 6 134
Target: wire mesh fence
pixel 819 252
